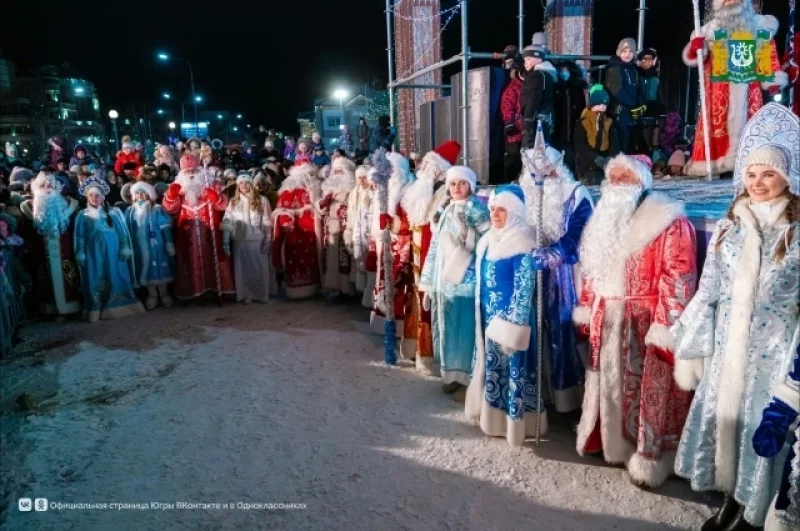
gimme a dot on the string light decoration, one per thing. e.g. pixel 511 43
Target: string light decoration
pixel 568 24
pixel 417 33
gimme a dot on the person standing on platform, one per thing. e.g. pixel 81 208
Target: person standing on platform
pixel 536 98
pixel 512 114
pixel 622 84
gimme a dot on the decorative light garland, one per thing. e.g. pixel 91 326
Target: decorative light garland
pixel 434 42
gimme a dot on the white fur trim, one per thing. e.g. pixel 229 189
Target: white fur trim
pixel 457 265
pixel 303 292
pixel 651 472
pixel 790 395
pixel 425 364
pixel 768 23
pixel 121 311
pixel 734 360
pixel 656 213
pixel 603 395
pixel 691 61
pixel 462 173
pixel 515 241
pixel 508 334
pixel 659 336
pixel 637 167
pixel 495 423
pixel 688 373
pixel 582 315
pixel 780 81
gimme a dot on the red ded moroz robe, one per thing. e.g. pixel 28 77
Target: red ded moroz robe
pixel 632 410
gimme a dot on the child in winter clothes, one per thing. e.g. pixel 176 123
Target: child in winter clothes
pixel 622 84
pixel 595 138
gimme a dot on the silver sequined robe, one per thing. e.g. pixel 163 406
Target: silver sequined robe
pixel 741 324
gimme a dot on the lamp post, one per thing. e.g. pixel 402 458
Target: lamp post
pixel 195 100
pixel 165 57
pixel 171 130
pixel 114 115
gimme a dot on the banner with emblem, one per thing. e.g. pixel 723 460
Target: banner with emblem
pixel 741 57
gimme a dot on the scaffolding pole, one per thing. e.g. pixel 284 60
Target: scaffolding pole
pixel 426 70
pixel 422 87
pixel 642 10
pixel 464 82
pixel 390 51
pixel 520 19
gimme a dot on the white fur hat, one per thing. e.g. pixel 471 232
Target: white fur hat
pixel 343 163
pixel 637 167
pixel 769 155
pixel 230 173
pixel 244 178
pixel 142 186
pixel 362 171
pixel 462 173
pixel 512 198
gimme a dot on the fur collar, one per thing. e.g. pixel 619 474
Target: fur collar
pixel 654 215
pixel 742 210
pixel 515 241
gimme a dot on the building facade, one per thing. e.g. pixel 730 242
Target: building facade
pixel 49 101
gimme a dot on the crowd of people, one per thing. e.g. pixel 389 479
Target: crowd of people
pixel 655 373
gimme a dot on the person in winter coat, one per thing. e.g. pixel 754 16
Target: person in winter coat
pixel 512 116
pixel 363 134
pixel 128 154
pixel 569 99
pixel 80 156
pixel 649 96
pixel 536 99
pixel 622 84
pixel 384 135
pixel 595 138
pixel 346 139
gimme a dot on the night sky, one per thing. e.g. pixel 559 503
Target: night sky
pixel 269 59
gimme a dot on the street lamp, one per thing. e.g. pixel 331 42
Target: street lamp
pixel 165 57
pixel 79 90
pixel 166 95
pixel 198 98
pixel 341 95
pixel 219 117
pixel 172 125
pixel 160 111
pixel 114 115
pixel 238 116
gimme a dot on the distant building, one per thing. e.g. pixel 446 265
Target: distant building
pixel 329 115
pixel 46 102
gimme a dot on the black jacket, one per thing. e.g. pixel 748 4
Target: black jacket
pixel 569 100
pixel 536 99
pixel 622 84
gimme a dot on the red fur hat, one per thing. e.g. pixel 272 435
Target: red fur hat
pixel 449 151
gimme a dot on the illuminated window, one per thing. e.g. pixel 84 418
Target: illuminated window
pixel 334 122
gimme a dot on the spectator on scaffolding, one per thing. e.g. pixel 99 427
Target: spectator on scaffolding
pixel 595 138
pixel 622 84
pixel 384 135
pixel 570 100
pixel 536 99
pixel 512 115
pixel 650 97
pixel 363 133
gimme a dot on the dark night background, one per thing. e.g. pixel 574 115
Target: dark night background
pixel 269 59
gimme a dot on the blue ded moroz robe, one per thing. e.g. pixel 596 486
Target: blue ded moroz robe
pixel 734 344
pixel 104 257
pixel 502 395
pixel 448 277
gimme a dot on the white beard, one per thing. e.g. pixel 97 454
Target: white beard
pixel 608 228
pixel 338 181
pixel 736 17
pixel 49 213
pixel 556 194
pixel 418 197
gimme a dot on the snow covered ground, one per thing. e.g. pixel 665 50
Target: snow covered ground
pixel 283 403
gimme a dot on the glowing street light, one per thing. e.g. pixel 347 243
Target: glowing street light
pixel 172 125
pixel 235 128
pixel 219 117
pixel 114 115
pixel 340 94
pixel 166 95
pixel 238 116
pixel 160 111
pixel 198 98
pixel 163 56
pixel 79 90
pixel 166 57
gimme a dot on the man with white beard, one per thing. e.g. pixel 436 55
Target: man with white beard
pixel 356 234
pixel 639 272
pixel 332 209
pixel 202 265
pixel 741 60
pixel 421 201
pixel 57 277
pixel 152 243
pixel 566 208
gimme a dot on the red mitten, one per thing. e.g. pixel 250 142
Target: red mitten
pixel 385 220
pixel 326 201
pixel 173 191
pixel 583 332
pixel 696 45
pixel 664 355
pixel 774 89
pixel 211 196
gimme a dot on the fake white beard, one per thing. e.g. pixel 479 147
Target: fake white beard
pixel 735 17
pixel 49 212
pixel 608 227
pixel 338 182
pixel 418 197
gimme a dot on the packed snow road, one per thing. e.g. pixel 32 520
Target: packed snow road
pixel 285 413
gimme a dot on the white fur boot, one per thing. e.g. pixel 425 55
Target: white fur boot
pixel 151 300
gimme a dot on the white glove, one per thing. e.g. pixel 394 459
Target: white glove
pixel 688 373
pixel 170 249
pixel 426 302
